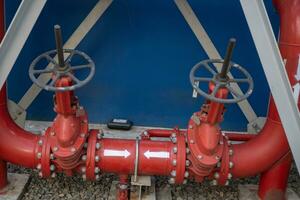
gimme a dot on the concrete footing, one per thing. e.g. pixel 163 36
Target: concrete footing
pixel 15 188
pixel 249 192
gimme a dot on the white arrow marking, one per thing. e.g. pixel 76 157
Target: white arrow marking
pixel 116 153
pixel 159 154
pixel 297 76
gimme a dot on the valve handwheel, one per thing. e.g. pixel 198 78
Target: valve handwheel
pixel 221 80
pixel 62 67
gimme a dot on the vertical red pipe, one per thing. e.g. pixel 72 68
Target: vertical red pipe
pixel 262 152
pixel 16 145
pixel 122 193
pixel 3 174
pixel 3 166
pixel 273 182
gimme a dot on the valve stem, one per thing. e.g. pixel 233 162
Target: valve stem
pixel 59 47
pixel 227 59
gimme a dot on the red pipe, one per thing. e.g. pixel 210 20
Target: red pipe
pixel 17 146
pixel 271 144
pixel 168 158
pixel 232 136
pixel 3 166
pixel 3 174
pixel 123 188
pixel 159 132
pixel 118 156
pixel 260 153
pixel 273 182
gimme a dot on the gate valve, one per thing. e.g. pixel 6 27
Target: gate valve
pixel 69 132
pixel 204 135
pixel 61 68
pixel 221 80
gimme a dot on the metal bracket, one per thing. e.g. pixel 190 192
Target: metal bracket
pixel 136 161
pixel 17 113
pixel 142 182
pixel 256 125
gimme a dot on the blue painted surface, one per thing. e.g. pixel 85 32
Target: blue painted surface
pixel 143 52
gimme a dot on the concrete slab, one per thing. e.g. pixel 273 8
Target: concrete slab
pixel 141 181
pixel 16 187
pixel 249 192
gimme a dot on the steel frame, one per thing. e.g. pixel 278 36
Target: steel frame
pixel 17 34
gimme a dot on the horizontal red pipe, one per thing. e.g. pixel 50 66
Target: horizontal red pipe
pixel 159 132
pixel 112 160
pixel 259 154
pixel 162 132
pixel 232 136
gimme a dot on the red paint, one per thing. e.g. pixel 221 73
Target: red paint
pixel 123 188
pixel 204 137
pixel 3 174
pixel 239 136
pixel 273 182
pixel 16 145
pixel 260 153
pixel 201 151
pixel 123 163
pixel 3 167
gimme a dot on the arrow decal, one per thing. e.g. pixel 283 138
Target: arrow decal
pixel 116 153
pixel 159 154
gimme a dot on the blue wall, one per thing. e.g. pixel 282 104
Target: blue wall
pixel 143 52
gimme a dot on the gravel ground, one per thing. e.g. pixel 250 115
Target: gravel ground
pixel 67 188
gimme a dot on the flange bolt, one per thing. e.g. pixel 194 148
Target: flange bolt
pixel 186 174
pixel 216 175
pixel 171 181
pixel 97 158
pixel 83 158
pixel 173 173
pixel 231 165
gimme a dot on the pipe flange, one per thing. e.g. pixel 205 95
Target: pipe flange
pixel 223 175
pixel 92 158
pixel 180 153
pixel 43 155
